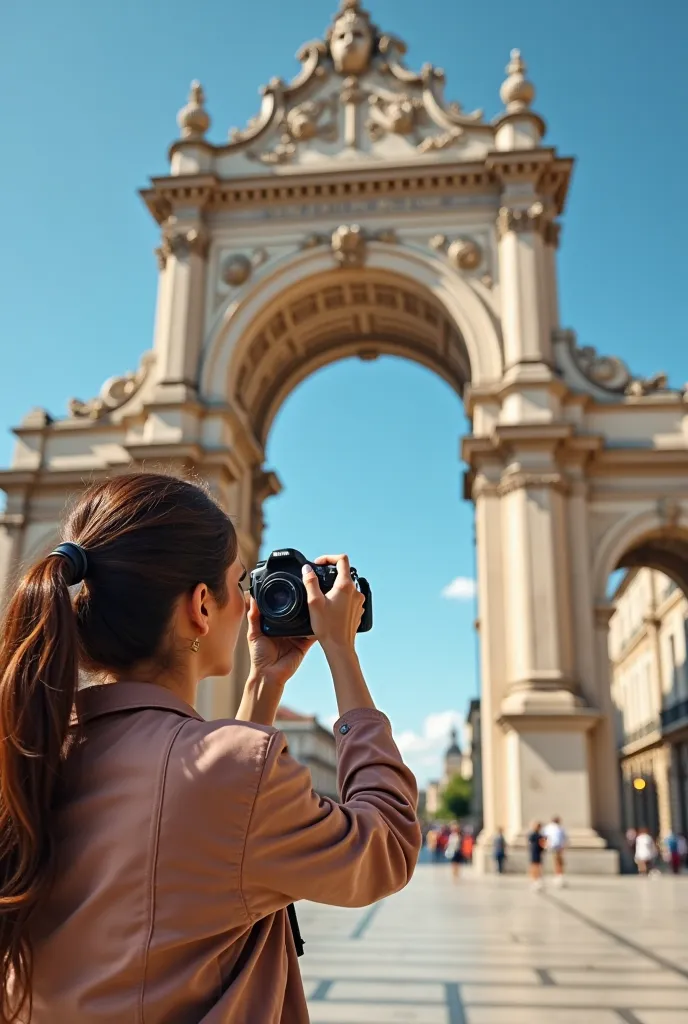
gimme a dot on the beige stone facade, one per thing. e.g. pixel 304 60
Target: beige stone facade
pixel 647 647
pixel 360 214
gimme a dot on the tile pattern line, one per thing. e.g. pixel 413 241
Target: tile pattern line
pixel 365 922
pixel 621 940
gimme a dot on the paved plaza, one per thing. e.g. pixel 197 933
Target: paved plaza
pixel 490 951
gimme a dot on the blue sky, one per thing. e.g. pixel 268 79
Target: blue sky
pixel 92 92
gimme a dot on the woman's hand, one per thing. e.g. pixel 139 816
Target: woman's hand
pixel 335 616
pixel 274 660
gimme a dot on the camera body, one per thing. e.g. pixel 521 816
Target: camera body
pixel 280 593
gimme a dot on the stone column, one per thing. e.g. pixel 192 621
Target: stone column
pixel 491 613
pixel 604 758
pixel 180 311
pixel 546 720
pixel 525 282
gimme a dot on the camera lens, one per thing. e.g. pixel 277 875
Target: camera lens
pixel 280 597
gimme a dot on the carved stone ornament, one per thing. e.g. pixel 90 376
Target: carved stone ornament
pixel 612 374
pixel 236 270
pixel 349 245
pixel 390 114
pixel 641 386
pixel 237 267
pixel 182 242
pixel 607 371
pixel 114 392
pixel 519 481
pixel 301 124
pixel 193 119
pixel 462 253
pixel 669 512
pixel 533 218
pixel 351 39
pixel 371 69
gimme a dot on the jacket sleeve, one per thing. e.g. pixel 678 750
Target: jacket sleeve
pixel 350 854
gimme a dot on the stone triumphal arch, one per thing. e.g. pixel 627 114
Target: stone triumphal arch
pixel 358 214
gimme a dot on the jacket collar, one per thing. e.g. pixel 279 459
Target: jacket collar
pixel 110 698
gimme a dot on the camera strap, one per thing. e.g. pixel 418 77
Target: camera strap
pixel 295 930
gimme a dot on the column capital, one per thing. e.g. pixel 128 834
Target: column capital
pixel 182 242
pixel 534 218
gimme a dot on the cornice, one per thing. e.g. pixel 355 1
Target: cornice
pixel 209 193
pixel 489 394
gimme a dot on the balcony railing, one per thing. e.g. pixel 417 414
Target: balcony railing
pixel 640 733
pixel 675 715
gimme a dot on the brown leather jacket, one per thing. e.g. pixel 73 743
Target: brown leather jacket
pixel 179 844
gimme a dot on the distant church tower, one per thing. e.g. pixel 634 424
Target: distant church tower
pixel 455 762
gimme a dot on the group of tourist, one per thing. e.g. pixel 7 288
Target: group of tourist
pixel 452 843
pixel 455 844
pixel 648 852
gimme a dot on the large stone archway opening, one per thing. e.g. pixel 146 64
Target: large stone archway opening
pixel 336 316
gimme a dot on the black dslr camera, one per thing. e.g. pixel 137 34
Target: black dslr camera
pixel 280 593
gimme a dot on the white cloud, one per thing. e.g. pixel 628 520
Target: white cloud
pixel 424 751
pixel 461 589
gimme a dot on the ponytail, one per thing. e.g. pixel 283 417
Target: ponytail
pixel 38 681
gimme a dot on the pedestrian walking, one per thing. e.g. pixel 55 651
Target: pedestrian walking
pixel 645 852
pixel 454 851
pixel 499 851
pixel 441 844
pixel 683 850
pixel 672 852
pixel 556 842
pixel 536 850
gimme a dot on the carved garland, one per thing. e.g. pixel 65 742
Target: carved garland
pixel 511 482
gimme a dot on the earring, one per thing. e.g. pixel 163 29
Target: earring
pixel 195 646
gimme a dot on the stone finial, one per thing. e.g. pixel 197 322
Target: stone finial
pixel 517 92
pixel 193 119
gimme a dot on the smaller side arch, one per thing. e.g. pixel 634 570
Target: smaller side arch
pixel 637 531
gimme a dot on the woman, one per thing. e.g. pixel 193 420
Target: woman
pixel 453 851
pixel 645 851
pixel 147 857
pixel 536 849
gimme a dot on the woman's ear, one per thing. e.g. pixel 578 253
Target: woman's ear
pixel 199 608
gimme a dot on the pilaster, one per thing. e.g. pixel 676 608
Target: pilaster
pixel 182 257
pixel 526 313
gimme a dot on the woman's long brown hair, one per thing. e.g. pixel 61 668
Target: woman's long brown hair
pixel 149 539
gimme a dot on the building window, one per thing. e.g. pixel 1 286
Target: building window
pixel 672 681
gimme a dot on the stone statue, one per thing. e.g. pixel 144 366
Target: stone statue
pixel 351 39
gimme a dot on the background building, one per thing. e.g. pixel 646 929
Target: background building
pixel 455 763
pixel 313 745
pixel 648 639
pixel 474 751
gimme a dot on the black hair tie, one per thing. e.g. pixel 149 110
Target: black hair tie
pixel 76 556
